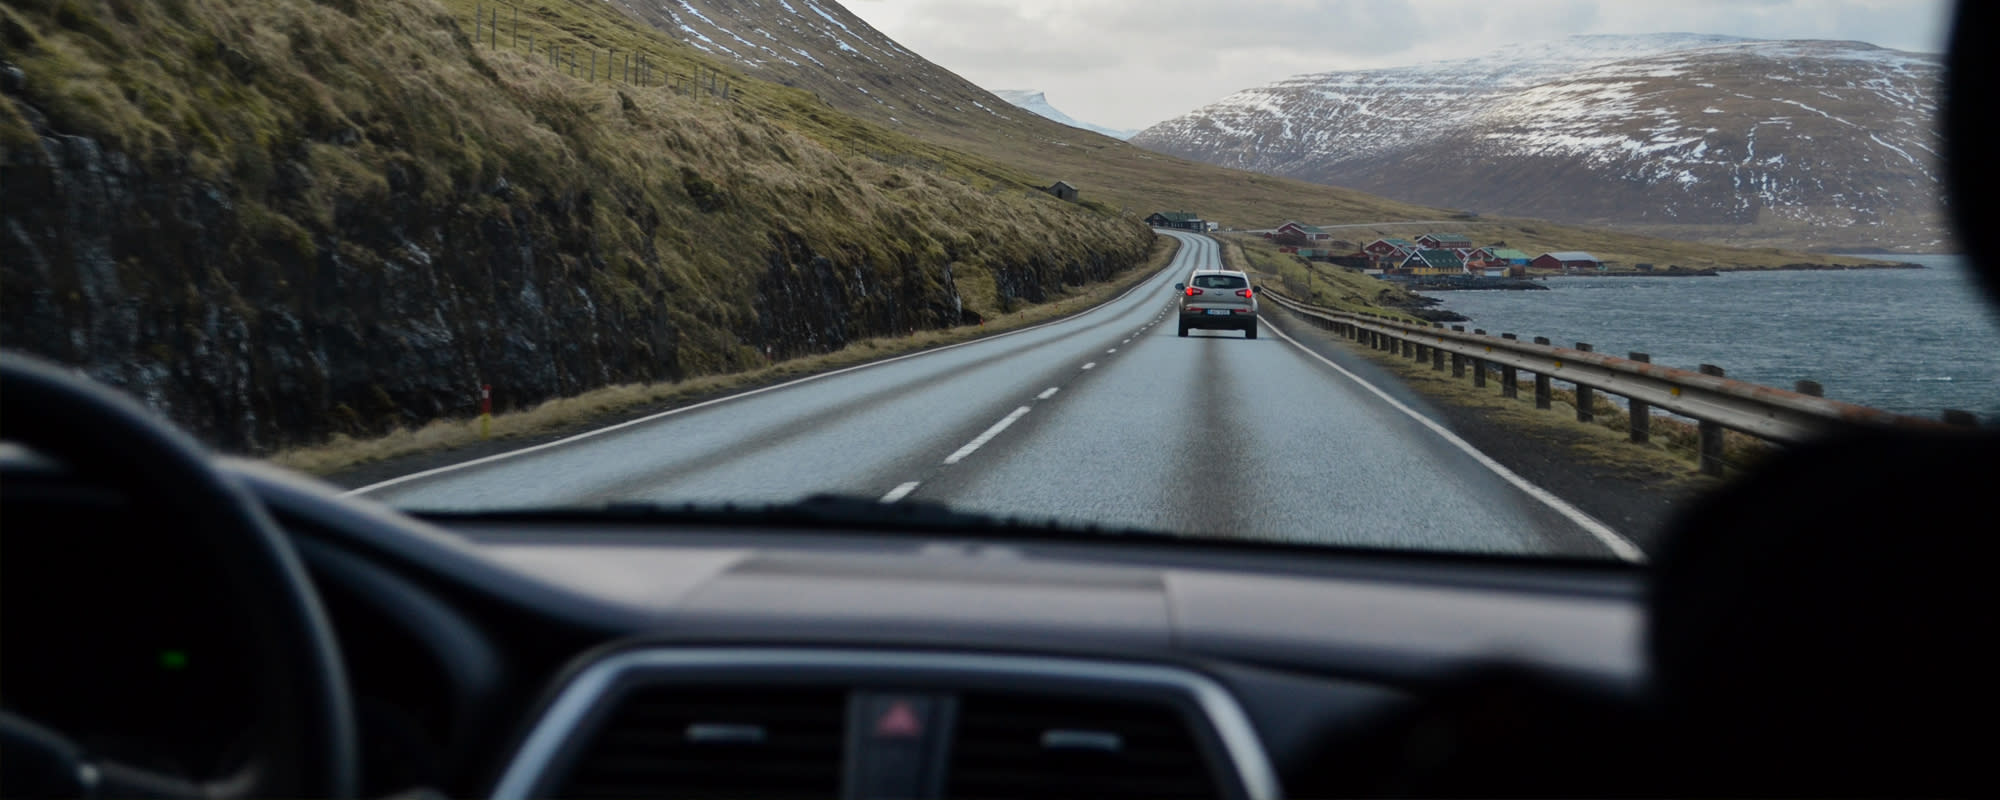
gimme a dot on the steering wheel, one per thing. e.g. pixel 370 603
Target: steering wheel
pixel 305 734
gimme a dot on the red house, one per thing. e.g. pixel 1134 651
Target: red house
pixel 1567 261
pixel 1390 248
pixel 1445 241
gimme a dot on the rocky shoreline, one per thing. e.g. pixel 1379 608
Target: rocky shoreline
pixel 1423 307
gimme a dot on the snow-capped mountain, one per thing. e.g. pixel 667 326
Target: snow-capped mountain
pixel 1812 143
pixel 1038 102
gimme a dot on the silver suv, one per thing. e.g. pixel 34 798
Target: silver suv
pixel 1218 299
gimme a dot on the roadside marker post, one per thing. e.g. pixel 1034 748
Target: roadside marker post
pixel 486 411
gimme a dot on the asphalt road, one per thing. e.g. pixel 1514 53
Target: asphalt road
pixel 1104 417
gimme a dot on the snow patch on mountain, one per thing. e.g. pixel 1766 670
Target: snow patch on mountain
pixel 1659 129
pixel 1037 102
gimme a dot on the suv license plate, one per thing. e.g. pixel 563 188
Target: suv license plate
pixel 1218 312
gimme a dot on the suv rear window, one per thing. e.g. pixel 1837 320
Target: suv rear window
pixel 1220 281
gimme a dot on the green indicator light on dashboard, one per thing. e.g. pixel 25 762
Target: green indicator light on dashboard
pixel 173 660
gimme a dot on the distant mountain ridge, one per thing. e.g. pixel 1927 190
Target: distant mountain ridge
pixel 1038 102
pixel 1804 143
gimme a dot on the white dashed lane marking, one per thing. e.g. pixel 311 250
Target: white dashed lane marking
pixel 982 439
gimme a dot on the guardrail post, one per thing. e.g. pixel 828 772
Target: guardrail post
pixel 1437 360
pixel 1586 397
pixel 1510 377
pixel 1544 394
pixel 1711 435
pixel 1409 349
pixel 1642 413
pixel 1809 388
pixel 1457 361
pixel 1479 366
pixel 1953 416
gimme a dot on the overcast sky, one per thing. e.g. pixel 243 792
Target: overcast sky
pixel 1131 63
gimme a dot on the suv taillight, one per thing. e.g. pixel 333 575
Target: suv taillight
pixel 1244 293
pixel 1193 291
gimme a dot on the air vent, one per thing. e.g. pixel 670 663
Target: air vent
pixel 708 741
pixel 1046 746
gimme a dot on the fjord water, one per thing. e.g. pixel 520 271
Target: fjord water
pixel 1914 341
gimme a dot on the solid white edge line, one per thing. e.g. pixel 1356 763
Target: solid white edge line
pixel 981 440
pixel 1618 544
pixel 1048 393
pixel 901 491
pixel 719 400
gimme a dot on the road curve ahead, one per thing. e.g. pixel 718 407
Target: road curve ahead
pixel 1105 417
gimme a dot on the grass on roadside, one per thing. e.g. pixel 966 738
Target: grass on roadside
pixel 601 405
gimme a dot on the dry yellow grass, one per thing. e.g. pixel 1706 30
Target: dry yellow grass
pixel 310 117
pixel 584 410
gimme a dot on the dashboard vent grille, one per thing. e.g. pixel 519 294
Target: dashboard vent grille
pixel 1047 746
pixel 709 741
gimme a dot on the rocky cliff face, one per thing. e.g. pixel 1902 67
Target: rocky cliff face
pixel 271 308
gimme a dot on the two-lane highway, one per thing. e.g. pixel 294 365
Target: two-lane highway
pixel 1104 417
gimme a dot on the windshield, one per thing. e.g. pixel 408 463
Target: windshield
pixel 1522 283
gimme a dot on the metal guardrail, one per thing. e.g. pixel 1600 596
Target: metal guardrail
pixel 1714 400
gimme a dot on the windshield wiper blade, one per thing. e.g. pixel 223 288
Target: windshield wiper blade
pixel 823 511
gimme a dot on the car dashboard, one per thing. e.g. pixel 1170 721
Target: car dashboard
pixel 595 655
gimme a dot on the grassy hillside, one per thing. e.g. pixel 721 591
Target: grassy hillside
pixel 280 219
pixel 840 58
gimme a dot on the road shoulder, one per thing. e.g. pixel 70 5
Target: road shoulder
pixel 1634 490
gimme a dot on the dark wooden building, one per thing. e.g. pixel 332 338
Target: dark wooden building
pixel 1180 220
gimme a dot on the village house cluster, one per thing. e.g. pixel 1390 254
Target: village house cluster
pixel 1428 255
pixel 1431 254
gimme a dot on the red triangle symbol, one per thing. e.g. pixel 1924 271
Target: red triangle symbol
pixel 899 722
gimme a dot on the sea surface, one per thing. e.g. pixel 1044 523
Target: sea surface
pixel 1911 341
